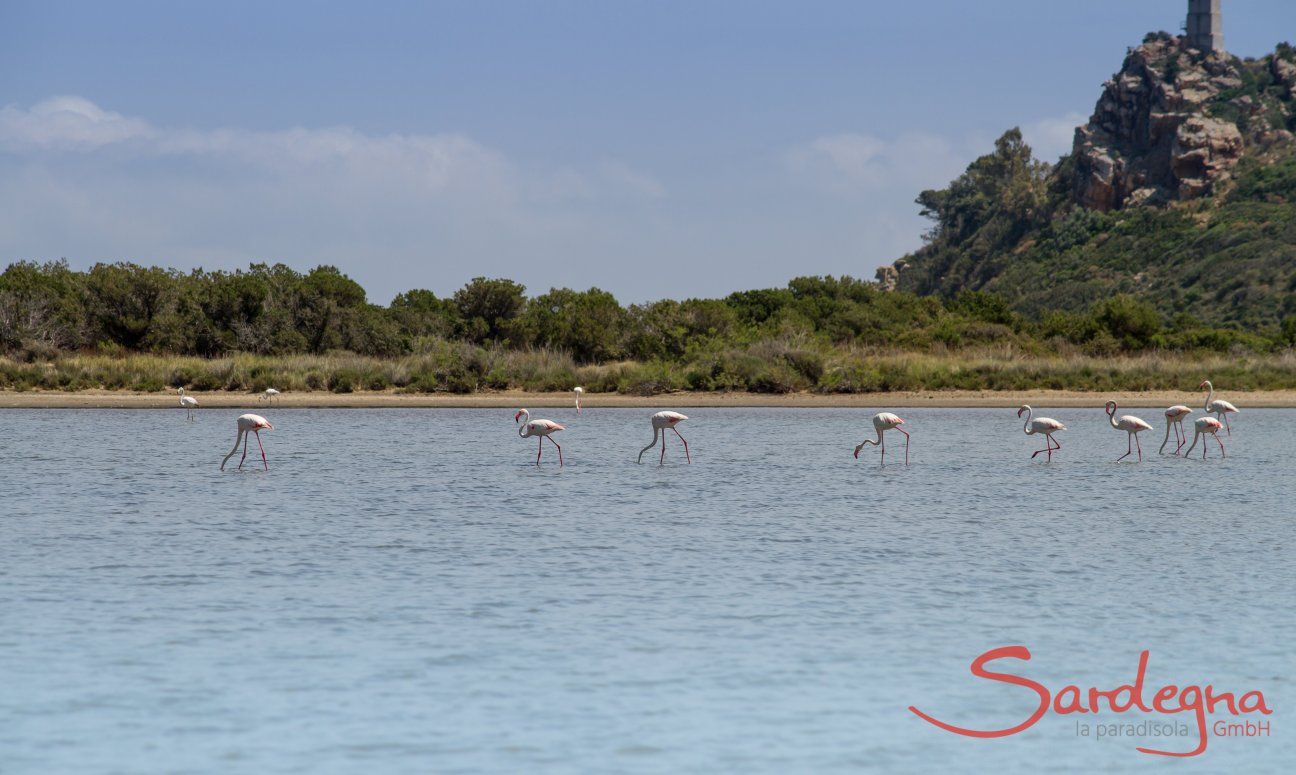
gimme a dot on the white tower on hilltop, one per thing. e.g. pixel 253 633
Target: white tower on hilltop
pixel 1205 25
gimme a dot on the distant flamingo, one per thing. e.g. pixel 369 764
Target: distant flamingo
pixel 1045 425
pixel 1206 425
pixel 1174 419
pixel 268 395
pixel 1218 407
pixel 249 423
pixel 662 422
pixel 882 423
pixel 1131 425
pixel 540 428
pixel 579 391
pixel 189 403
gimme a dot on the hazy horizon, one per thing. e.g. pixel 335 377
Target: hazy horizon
pixel 653 150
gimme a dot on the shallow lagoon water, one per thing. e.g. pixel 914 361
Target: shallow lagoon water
pixel 405 591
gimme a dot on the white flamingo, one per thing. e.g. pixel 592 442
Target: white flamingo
pixel 1174 419
pixel 188 403
pixel 662 422
pixel 269 395
pixel 1044 425
pixel 1217 406
pixel 579 391
pixel 1131 425
pixel 1202 426
pixel 249 424
pixel 540 428
pixel 883 422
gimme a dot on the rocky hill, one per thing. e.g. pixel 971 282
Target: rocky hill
pixel 1181 189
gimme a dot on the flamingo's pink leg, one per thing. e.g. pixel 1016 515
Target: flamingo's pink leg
pixel 662 461
pixel 686 451
pixel 882 444
pixel 1129 449
pixel 264 462
pixel 1217 441
pixel 539 448
pixel 245 442
pixel 1140 446
pixel 559 446
pixel 906 435
pixel 1226 425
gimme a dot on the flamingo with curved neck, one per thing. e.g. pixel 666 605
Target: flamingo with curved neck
pixel 188 403
pixel 579 391
pixel 1203 426
pixel 249 424
pixel 1131 425
pixel 1217 406
pixel 662 422
pixel 1044 425
pixel 883 422
pixel 540 429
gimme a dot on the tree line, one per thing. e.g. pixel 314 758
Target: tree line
pixel 49 308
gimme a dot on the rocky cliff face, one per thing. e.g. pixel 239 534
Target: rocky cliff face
pixel 1173 123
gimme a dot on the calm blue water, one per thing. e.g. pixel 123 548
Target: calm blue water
pixel 404 591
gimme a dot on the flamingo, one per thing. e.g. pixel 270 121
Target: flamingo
pixel 662 422
pixel 540 428
pixel 1218 407
pixel 1174 419
pixel 882 423
pixel 579 391
pixel 188 403
pixel 1206 425
pixel 249 423
pixel 1131 425
pixel 1045 425
pixel 268 395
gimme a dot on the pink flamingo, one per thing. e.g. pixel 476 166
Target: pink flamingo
pixel 1131 425
pixel 249 423
pixel 662 422
pixel 1174 419
pixel 1206 425
pixel 579 391
pixel 883 422
pixel 541 429
pixel 1218 407
pixel 1045 425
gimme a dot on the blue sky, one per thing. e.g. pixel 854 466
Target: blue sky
pixel 652 149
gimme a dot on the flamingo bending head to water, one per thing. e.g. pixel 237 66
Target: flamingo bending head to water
pixel 188 403
pixel 1174 419
pixel 1217 406
pixel 883 422
pixel 1044 425
pixel 662 422
pixel 249 424
pixel 268 395
pixel 579 391
pixel 1206 425
pixel 539 428
pixel 1131 425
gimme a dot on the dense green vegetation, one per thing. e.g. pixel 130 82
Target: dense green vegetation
pixel 123 326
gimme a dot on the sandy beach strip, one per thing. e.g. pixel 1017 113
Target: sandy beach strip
pixel 107 399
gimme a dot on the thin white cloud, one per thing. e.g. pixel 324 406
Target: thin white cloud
pixel 860 163
pixel 66 124
pixel 1050 138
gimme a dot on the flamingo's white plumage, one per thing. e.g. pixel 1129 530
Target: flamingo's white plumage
pixel 188 403
pixel 540 428
pixel 1131 425
pixel 1174 419
pixel 249 424
pixel 1042 425
pixel 268 395
pixel 662 422
pixel 1204 426
pixel 883 422
pixel 579 391
pixel 1217 406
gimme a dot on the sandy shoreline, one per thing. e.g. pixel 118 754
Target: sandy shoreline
pixel 106 399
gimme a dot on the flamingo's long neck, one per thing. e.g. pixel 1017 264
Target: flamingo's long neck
pixel 522 426
pixel 237 440
pixel 656 432
pixel 1026 426
pixel 1209 395
pixel 1111 416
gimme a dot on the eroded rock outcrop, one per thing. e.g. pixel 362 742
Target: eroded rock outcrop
pixel 1154 135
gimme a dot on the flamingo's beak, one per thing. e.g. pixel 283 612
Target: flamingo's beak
pixel 516 416
pixel 857 451
pixel 1019 412
pixel 1202 385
